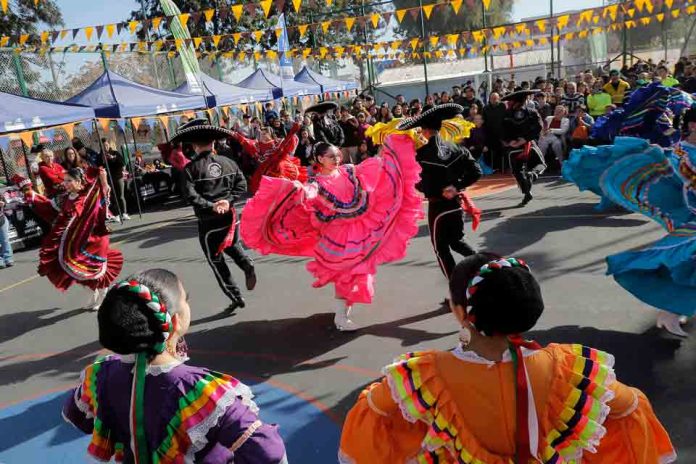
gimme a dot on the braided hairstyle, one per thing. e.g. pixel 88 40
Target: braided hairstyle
pixel 500 295
pixel 135 316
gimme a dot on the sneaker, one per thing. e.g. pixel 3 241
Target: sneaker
pixel 113 219
pixel 125 217
pixel 9 264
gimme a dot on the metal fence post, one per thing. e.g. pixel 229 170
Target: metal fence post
pixel 485 39
pixel 553 66
pixel 426 47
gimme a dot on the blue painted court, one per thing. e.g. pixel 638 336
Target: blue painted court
pixel 35 432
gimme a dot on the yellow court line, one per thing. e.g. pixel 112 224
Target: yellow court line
pixel 17 284
pixel 130 237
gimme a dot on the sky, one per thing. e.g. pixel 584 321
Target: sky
pixel 78 13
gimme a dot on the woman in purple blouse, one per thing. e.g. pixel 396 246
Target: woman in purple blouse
pixel 146 406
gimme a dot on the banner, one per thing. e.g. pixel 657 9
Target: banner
pixel 286 70
pixel 188 57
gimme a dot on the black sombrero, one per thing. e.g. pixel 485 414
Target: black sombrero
pixel 432 118
pixel 199 130
pixel 520 95
pixel 322 107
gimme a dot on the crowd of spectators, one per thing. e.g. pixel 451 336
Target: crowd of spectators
pixel 568 108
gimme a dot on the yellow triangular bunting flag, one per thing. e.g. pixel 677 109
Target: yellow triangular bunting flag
pixel 297 4
pixel 110 29
pixel 69 130
pixel 374 19
pixel 237 11
pixel 349 23
pixel 266 6
pixel 413 43
pixel 4 5
pixel 400 15
pixel 302 29
pixel 209 15
pixel 456 5
pixel 325 26
pixel 428 10
pixel 183 19
pixel 197 42
pixel 236 36
pixel 486 4
pixel 216 40
pixel 132 26
pixel 258 35
pixel 89 30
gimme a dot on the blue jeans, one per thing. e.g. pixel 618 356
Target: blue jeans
pixel 5 247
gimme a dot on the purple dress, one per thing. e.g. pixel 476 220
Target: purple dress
pixel 191 415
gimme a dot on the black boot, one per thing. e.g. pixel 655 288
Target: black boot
pixel 250 275
pixel 237 302
pixel 527 198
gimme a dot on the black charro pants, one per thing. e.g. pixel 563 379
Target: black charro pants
pixel 520 167
pixel 446 224
pixel 212 231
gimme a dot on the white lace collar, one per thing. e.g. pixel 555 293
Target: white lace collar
pixel 473 357
pixel 154 369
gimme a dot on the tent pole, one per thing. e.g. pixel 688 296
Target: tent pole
pixel 132 169
pixel 106 167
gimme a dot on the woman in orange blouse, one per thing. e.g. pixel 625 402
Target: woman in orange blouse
pixel 498 399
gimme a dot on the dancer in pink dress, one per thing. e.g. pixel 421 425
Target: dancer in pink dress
pixel 348 218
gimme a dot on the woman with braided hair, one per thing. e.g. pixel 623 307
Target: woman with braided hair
pixel 499 399
pixel 145 405
pixel 76 250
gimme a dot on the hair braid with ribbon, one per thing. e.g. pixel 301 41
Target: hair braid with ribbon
pixel 526 439
pixel 486 269
pixel 137 407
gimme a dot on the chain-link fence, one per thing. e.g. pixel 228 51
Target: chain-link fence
pixel 394 63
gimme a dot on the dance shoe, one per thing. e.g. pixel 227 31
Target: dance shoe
pixel 342 319
pixel 671 323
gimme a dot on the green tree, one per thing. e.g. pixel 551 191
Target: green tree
pixel 311 12
pixel 24 17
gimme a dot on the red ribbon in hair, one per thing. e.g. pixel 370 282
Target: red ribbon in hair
pixel 231 233
pixel 524 454
pixel 470 208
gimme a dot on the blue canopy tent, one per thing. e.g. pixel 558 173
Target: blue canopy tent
pixel 218 93
pixel 308 77
pixel 114 96
pixel 261 79
pixel 22 113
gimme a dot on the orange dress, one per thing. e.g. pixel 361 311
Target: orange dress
pixel 456 407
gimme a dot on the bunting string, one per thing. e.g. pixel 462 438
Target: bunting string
pixel 603 15
pixel 515 36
